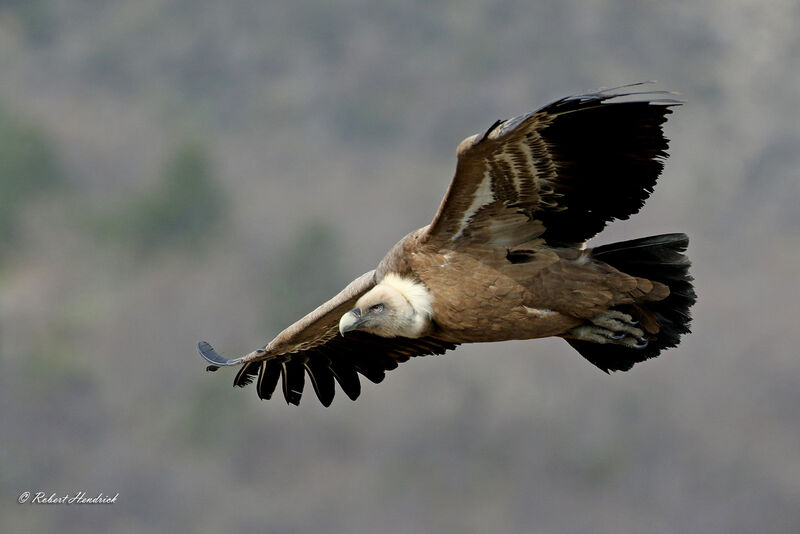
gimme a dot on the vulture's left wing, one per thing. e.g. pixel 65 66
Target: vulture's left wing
pixel 558 174
pixel 314 347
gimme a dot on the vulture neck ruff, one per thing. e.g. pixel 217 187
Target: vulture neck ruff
pixel 419 300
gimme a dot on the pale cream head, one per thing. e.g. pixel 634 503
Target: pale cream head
pixel 395 307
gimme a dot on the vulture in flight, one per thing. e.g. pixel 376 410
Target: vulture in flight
pixel 505 257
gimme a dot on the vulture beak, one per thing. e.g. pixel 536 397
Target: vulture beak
pixel 350 321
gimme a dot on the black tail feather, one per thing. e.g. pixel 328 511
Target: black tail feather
pixel 658 258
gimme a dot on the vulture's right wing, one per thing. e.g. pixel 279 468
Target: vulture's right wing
pixel 556 175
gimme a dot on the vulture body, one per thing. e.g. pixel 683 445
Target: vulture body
pixel 505 258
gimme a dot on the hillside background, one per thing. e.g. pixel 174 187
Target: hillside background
pixel 180 170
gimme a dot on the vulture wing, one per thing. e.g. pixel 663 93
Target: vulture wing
pixel 556 175
pixel 314 347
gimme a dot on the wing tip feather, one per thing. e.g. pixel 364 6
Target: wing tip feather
pixel 208 353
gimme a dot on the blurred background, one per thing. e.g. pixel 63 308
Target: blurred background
pixel 172 171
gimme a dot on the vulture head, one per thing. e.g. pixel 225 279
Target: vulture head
pixel 394 307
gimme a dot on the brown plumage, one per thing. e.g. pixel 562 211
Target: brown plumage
pixel 504 258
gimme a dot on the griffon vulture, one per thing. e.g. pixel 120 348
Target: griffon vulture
pixel 505 258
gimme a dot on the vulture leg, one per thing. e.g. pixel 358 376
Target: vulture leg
pixel 620 323
pixel 612 327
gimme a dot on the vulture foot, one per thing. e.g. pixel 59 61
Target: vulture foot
pixel 612 327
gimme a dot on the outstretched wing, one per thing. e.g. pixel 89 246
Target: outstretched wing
pixel 312 346
pixel 558 174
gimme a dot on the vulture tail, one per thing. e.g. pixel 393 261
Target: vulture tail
pixel 658 258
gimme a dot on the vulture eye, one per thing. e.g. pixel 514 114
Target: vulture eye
pixel 377 308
